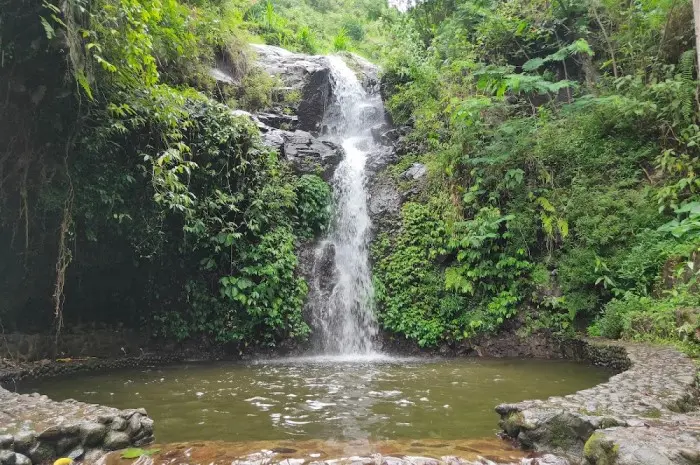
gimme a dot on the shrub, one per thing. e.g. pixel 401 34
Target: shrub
pixel 354 30
pixel 255 92
pixel 674 317
pixel 313 205
pixel 341 41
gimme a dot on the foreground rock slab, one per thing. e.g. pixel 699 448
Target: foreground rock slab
pixel 35 429
pixel 646 415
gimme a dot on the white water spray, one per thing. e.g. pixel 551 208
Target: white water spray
pixel 344 315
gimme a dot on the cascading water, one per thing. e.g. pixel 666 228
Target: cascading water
pixel 344 314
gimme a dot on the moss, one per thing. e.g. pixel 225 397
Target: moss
pixel 651 413
pixel 609 422
pixel 561 434
pixel 513 423
pixel 559 439
pixel 600 451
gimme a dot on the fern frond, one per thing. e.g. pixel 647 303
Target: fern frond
pixel 686 65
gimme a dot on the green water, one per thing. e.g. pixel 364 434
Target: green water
pixel 327 398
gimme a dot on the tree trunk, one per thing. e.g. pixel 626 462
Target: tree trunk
pixel 611 49
pixel 696 16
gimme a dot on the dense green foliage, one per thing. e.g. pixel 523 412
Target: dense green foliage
pixel 138 198
pixel 320 26
pixel 561 139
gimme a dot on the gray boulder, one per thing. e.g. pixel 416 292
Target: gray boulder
pixel 308 75
pixel 305 153
pixel 546 459
pixel 66 444
pixel 6 441
pixel 21 459
pixel 51 433
pixel 92 433
pixel 415 172
pixel 7 457
pixel 24 441
pixel 118 424
pixel 117 440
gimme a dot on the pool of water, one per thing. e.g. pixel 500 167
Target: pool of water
pixel 342 399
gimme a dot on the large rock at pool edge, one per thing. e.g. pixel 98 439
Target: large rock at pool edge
pixel 306 74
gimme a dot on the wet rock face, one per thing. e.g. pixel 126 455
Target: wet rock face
pixel 366 71
pixel 326 271
pixel 386 134
pixel 317 266
pixel 634 419
pixel 294 136
pixel 279 121
pixel 308 75
pixel 385 202
pixel 305 153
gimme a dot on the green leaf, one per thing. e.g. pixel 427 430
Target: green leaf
pixel 533 64
pixel 50 32
pixel 134 453
pixel 84 84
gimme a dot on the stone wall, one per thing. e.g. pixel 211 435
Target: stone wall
pixel 35 429
pixel 611 356
pixel 76 342
pixel 12 375
pixel 645 415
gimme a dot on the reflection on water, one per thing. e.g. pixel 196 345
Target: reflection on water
pixel 359 399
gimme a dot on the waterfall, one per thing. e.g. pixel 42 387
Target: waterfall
pixel 343 309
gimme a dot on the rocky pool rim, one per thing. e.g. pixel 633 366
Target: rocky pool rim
pixel 612 355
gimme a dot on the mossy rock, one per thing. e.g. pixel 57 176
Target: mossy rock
pixel 561 432
pixel 513 423
pixel 599 450
pixel 610 422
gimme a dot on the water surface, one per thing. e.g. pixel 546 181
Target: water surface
pixel 332 398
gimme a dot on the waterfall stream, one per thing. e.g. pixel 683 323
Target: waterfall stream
pixel 343 311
